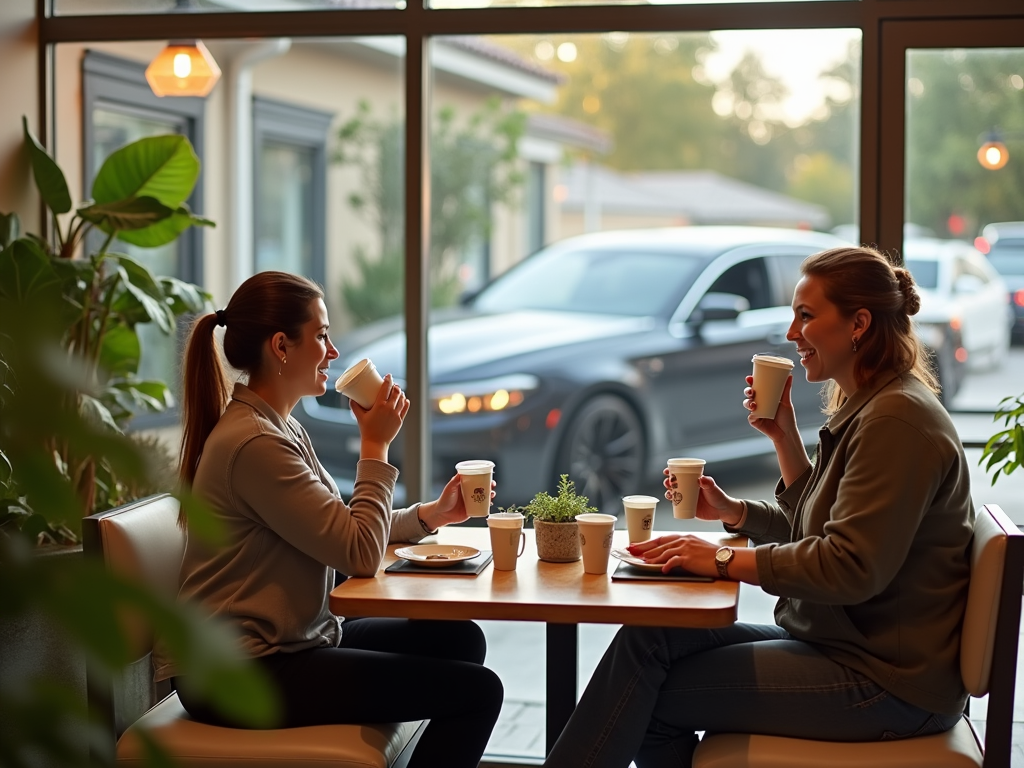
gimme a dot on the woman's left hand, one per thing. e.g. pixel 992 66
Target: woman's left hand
pixel 448 508
pixel 691 553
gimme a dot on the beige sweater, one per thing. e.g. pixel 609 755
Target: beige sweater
pixel 287 528
pixel 869 550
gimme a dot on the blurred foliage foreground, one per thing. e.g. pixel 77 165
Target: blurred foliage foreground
pixel 53 416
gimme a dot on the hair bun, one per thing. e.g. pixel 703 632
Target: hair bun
pixel 911 299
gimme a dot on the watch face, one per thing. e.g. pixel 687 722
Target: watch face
pixel 723 555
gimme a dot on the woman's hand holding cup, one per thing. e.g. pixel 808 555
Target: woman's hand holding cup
pixel 783 426
pixel 712 502
pixel 380 423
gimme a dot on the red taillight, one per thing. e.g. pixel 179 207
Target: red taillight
pixel 982 244
pixel 961 354
pixel 552 419
pixel 1018 298
pixel 954 323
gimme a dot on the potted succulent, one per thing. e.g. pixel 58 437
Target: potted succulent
pixel 554 520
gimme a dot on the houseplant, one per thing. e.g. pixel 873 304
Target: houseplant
pixel 1007 445
pixel 69 359
pixel 554 519
pixel 96 299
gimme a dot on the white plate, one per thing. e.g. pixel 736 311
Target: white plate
pixel 437 555
pixel 637 562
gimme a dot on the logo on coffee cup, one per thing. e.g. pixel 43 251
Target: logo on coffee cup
pixel 677 498
pixel 479 495
pixel 608 540
pixel 647 524
pixel 583 540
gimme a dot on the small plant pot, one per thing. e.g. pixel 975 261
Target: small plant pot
pixel 557 542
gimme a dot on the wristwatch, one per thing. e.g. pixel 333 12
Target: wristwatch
pixel 723 557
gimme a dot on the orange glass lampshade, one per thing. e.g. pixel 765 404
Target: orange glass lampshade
pixel 183 68
pixel 993 155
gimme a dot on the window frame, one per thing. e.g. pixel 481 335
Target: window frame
pixel 305 129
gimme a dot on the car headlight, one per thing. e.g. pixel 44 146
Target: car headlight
pixel 486 396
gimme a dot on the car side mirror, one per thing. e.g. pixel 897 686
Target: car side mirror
pixel 718 306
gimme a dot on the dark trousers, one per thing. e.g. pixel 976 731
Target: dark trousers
pixel 391 670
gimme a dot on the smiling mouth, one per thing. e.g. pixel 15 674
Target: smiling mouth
pixel 322 371
pixel 805 354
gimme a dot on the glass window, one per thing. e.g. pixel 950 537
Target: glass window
pixel 106 7
pixel 119 109
pixel 926 273
pixel 290 174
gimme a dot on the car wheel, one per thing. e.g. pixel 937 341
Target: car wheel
pixel 603 452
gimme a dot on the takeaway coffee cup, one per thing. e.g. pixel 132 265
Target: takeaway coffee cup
pixel 507 539
pixel 475 477
pixel 639 516
pixel 770 374
pixel 683 477
pixel 360 382
pixel 596 532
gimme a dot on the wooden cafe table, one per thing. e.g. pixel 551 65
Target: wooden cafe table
pixel 559 594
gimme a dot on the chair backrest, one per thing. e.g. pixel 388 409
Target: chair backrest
pixel 143 543
pixel 991 629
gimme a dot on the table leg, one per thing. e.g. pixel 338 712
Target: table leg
pixel 562 663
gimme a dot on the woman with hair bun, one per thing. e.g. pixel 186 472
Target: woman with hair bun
pixel 867 547
pixel 288 531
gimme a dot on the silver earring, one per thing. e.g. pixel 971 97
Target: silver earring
pixel 854 343
pixel 285 360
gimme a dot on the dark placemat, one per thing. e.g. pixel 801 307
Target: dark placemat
pixel 626 572
pixel 465 568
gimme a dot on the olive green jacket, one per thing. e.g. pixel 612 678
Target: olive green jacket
pixel 287 531
pixel 869 550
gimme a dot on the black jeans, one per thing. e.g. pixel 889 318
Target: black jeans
pixel 391 670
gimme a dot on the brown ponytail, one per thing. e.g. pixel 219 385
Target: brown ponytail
pixel 263 305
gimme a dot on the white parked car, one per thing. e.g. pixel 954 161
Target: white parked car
pixel 961 290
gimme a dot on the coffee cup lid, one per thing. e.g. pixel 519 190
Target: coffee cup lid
pixel 686 462
pixel 349 375
pixel 474 467
pixel 640 501
pixel 774 361
pixel 595 517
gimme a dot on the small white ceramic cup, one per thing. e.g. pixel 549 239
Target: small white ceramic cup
pixel 507 539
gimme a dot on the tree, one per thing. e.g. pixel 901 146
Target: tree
pixel 473 167
pixel 953 98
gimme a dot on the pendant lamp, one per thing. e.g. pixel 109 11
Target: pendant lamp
pixel 183 68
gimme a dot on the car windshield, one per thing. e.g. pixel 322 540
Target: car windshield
pixel 607 282
pixel 925 272
pixel 1008 260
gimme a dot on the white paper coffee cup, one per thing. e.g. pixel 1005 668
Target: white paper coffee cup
pixel 361 383
pixel 507 539
pixel 770 374
pixel 475 478
pixel 596 531
pixel 683 476
pixel 639 516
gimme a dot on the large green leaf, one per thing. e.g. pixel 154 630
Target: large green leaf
pixel 138 297
pixel 10 229
pixel 120 350
pixel 184 297
pixel 163 167
pixel 27 274
pixel 50 181
pixel 125 215
pixel 165 231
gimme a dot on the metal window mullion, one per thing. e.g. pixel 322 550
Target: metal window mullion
pixel 416 430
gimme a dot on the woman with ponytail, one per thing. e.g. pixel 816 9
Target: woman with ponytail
pixel 867 547
pixel 288 532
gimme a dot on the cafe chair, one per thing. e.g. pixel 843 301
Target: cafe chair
pixel 988 664
pixel 142 541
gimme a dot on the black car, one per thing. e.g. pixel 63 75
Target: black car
pixel 1004 243
pixel 601 356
